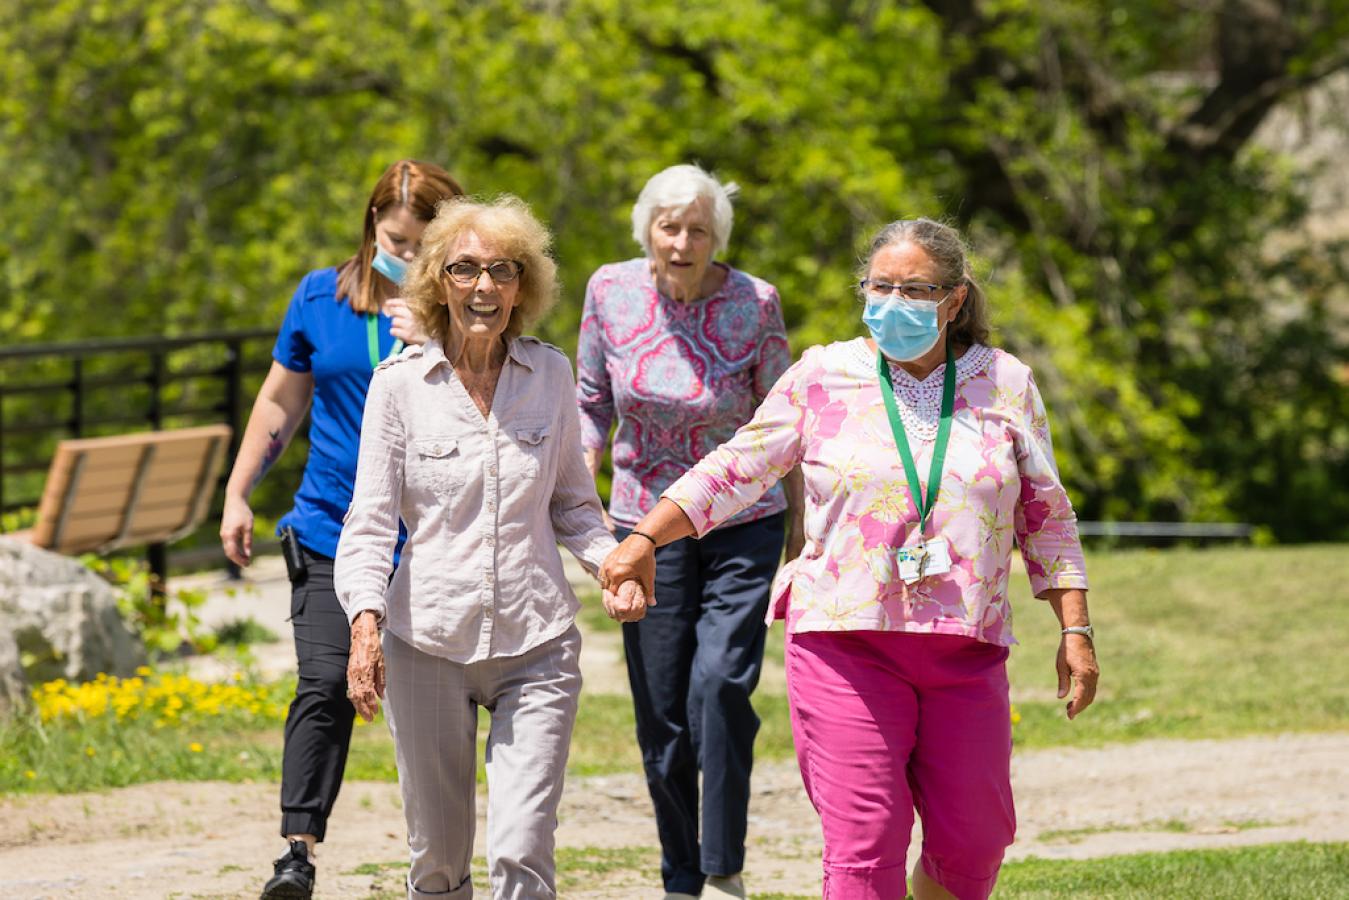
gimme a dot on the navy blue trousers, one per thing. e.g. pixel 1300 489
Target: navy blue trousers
pixel 693 663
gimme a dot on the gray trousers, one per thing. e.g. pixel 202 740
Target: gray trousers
pixel 432 708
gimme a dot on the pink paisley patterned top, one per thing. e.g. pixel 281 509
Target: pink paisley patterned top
pixel 1000 481
pixel 682 377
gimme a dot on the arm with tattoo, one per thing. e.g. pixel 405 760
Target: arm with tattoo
pixel 269 456
pixel 281 405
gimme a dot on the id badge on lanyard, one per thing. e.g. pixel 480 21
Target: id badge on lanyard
pixel 930 557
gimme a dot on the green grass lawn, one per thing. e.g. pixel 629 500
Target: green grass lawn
pixel 1196 644
pixel 1299 871
pixel 1192 643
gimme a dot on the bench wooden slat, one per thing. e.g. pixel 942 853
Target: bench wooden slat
pixel 121 462
pixel 157 491
pixel 109 484
pixel 166 520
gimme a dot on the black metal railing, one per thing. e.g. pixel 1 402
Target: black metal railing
pixel 91 388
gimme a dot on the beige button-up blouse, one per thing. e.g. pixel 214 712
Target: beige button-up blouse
pixel 485 501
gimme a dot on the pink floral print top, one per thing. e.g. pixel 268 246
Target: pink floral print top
pixel 1000 481
pixel 681 377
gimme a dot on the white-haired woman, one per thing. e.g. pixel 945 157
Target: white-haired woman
pixel 472 441
pixel 681 349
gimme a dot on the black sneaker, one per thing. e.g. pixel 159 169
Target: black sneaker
pixel 294 878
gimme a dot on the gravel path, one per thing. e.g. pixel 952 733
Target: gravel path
pixel 213 840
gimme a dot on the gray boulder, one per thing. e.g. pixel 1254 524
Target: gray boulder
pixel 55 608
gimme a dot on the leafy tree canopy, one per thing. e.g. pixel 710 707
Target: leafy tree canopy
pixel 176 167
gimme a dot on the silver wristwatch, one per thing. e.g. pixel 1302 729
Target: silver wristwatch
pixel 1084 630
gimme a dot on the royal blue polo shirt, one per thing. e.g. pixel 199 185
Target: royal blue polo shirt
pixel 327 338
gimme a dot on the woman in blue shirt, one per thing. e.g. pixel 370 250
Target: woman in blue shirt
pixel 341 322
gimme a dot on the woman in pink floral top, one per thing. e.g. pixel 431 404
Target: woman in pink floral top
pixel 681 349
pixel 898 624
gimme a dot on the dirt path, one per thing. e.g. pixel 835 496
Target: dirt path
pixel 213 840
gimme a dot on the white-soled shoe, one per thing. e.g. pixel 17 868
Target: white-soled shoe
pixel 724 886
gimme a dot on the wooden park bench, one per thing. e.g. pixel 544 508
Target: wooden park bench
pixel 105 493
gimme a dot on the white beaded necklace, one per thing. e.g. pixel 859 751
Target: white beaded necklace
pixel 919 402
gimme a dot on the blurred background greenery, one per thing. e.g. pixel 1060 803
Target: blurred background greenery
pixel 1155 191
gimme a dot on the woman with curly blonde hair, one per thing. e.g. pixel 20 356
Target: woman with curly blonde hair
pixel 340 323
pixel 474 442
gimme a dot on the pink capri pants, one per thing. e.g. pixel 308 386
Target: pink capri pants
pixel 887 723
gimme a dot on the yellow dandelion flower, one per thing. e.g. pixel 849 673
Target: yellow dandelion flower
pixel 90 751
pixel 195 747
pixel 30 774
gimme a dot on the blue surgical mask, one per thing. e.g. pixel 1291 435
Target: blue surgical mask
pixel 903 329
pixel 391 267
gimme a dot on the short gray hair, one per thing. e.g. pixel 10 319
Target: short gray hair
pixel 676 188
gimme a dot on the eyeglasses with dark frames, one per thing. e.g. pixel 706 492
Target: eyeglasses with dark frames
pixel 909 290
pixel 503 271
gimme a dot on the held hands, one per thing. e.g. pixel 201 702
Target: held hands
pixel 1076 664
pixel 236 531
pixel 365 667
pixel 628 604
pixel 630 568
pixel 403 326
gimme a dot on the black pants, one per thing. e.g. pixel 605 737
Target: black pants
pixel 693 662
pixel 318 726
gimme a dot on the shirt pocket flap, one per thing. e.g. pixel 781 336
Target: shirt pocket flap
pixel 436 448
pixel 532 435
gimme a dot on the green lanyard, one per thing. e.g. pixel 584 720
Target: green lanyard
pixel 372 340
pixel 948 400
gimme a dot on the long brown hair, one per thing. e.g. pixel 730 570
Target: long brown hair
pixel 419 187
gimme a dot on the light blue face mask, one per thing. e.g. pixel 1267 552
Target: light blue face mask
pixel 903 329
pixel 391 267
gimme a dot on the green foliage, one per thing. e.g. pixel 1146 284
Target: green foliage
pixel 242 632
pixel 176 167
pixel 166 621
pixel 18 520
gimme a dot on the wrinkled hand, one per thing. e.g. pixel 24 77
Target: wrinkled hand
pixel 1077 668
pixel 632 560
pixel 403 326
pixel 236 531
pixel 628 604
pixel 365 667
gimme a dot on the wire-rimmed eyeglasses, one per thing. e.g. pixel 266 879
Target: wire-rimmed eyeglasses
pixel 909 290
pixel 503 271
